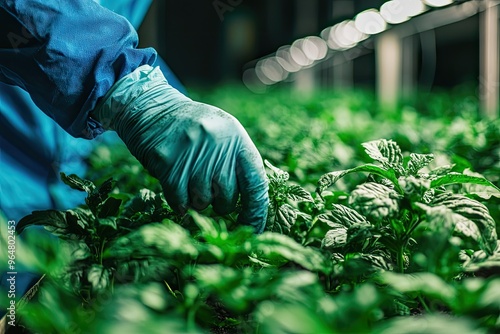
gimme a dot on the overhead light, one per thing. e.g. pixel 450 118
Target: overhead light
pixel 269 71
pixel 394 12
pixel 438 3
pixel 259 71
pixel 370 22
pixel 413 7
pixel 343 35
pixel 251 80
pixel 273 70
pixel 298 55
pixel 314 48
pixel 284 58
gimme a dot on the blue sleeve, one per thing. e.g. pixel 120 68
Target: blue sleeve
pixel 66 55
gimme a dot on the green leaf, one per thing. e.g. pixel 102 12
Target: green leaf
pixel 375 200
pixel 331 178
pixel 75 182
pixel 278 247
pixel 277 173
pixel 110 207
pixel 417 162
pixel 426 283
pixel 141 270
pixel 428 323
pixel 387 152
pixel 480 261
pixel 155 239
pixel 343 215
pixel 53 218
pixel 98 277
pixel 284 317
pixel 441 170
pixel 99 195
pixel 479 190
pixel 108 222
pixel 80 251
pixel 335 237
pixel 466 210
pixel 144 202
pixel 285 218
pixel 454 178
pixel 379 260
pixel 298 194
pixel 443 216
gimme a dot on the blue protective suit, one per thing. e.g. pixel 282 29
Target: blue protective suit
pixel 34 75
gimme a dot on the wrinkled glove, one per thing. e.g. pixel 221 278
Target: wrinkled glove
pixel 200 154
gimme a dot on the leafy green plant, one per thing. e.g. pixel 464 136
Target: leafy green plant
pixel 397 198
pixel 127 263
pixel 89 231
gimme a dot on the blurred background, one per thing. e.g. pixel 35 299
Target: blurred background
pixel 394 48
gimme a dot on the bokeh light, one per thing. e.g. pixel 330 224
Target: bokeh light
pixel 345 35
pixel 438 3
pixel 370 22
pixel 284 58
pixel 394 12
pixel 314 48
pixel 298 55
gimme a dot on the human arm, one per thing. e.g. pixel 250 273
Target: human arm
pixel 76 55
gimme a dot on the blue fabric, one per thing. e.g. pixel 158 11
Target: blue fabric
pixel 133 10
pixel 77 51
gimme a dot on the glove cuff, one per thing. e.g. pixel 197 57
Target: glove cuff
pixel 132 94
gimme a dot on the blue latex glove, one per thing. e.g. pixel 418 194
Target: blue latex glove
pixel 201 154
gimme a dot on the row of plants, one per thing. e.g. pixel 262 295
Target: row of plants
pixel 385 239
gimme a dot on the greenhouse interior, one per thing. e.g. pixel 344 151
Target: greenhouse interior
pixel 236 166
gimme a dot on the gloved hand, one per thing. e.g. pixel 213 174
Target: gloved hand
pixel 200 154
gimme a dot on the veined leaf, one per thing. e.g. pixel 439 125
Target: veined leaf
pixel 380 260
pixel 331 178
pixel 108 222
pixel 298 194
pixel 110 207
pixel 99 195
pixel 335 237
pixel 52 218
pixel 285 218
pixel 374 200
pixel 441 170
pixel 453 178
pixel 479 190
pixel 282 219
pixel 79 216
pixel 417 162
pixel 75 182
pixel 468 209
pixel 343 215
pixel 387 152
pixel 281 175
pixel 444 216
pixel 481 261
pixel 144 202
pixel 98 277
pixel 279 246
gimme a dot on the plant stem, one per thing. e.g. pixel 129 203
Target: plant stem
pixel 424 304
pixel 170 289
pixel 401 259
pixel 306 237
pixel 101 250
